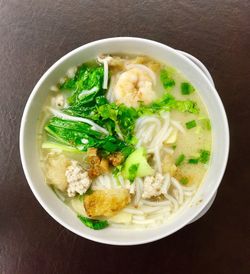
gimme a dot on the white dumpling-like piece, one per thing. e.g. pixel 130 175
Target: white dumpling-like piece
pixel 55 168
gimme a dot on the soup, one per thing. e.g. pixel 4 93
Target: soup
pixel 125 141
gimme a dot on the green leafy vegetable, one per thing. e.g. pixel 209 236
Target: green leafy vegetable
pixel 168 103
pixel 88 100
pixel 191 124
pixel 94 224
pixel 127 150
pixel 127 118
pixel 187 88
pixel 180 159
pixel 167 78
pixel 119 120
pixel 80 136
pixel 73 126
pixel 122 117
pixel 204 156
pixel 86 84
pixel 186 106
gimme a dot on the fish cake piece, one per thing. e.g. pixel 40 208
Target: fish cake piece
pixel 106 203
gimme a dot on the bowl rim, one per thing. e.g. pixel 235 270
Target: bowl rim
pixel 30 180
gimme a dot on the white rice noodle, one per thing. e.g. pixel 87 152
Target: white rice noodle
pixel 78 119
pixel 109 181
pixel 138 191
pixel 178 126
pixel 179 189
pixel 145 135
pixel 118 130
pixel 161 136
pixel 186 193
pixel 150 209
pixel 133 211
pixel 175 194
pixel 148 134
pixel 141 184
pixel 173 201
pixel 166 183
pixel 168 150
pixel 189 191
pixel 147 119
pixel 157 160
pixel 144 69
pixel 105 61
pixel 162 211
pixel 102 182
pixel 156 203
pixel 59 194
pixel 106 74
pixel 118 226
pixel 110 93
pixel 87 92
pixel 109 178
pixel 121 180
pixel 140 217
pixel 189 188
pixel 151 132
pixel 129 186
pixel 143 222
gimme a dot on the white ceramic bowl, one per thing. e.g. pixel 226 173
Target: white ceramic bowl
pixel 29 149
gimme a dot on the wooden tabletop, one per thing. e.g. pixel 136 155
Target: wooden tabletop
pixel 33 35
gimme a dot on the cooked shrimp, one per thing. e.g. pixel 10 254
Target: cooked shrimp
pixel 135 85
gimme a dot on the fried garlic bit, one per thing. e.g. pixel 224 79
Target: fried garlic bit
pixel 98 165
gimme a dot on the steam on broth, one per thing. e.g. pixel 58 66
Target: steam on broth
pixel 124 141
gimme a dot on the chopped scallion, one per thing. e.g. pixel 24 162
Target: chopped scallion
pixel 167 79
pixel 133 171
pixel 204 156
pixel 184 180
pixel 187 88
pixel 180 159
pixel 193 161
pixel 191 124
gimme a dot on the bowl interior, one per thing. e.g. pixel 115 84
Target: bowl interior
pixel 30 156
